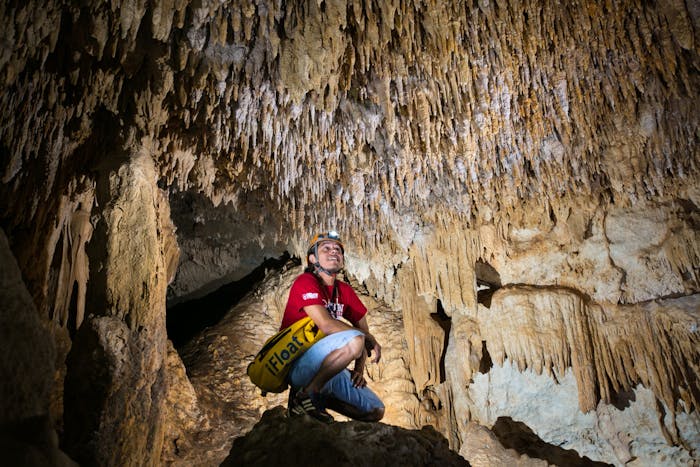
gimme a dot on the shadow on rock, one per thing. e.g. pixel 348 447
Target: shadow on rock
pixel 519 437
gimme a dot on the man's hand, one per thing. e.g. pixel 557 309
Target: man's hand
pixel 373 347
pixel 357 375
pixel 358 378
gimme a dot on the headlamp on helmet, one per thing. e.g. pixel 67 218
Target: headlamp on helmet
pixel 331 235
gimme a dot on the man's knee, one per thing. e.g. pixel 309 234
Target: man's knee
pixel 375 414
pixel 356 345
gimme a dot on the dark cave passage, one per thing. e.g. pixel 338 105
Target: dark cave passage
pixel 186 319
pixel 445 323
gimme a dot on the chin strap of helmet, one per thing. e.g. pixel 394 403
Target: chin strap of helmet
pixel 322 269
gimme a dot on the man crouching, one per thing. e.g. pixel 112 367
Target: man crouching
pixel 320 379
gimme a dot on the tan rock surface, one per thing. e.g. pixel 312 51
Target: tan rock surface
pixel 27 435
pixel 186 426
pixel 483 449
pixel 115 383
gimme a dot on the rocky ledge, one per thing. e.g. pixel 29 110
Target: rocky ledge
pixel 279 440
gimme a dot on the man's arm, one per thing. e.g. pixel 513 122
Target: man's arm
pixel 325 322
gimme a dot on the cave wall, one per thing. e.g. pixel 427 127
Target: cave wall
pixel 558 307
pixel 557 145
pixel 27 432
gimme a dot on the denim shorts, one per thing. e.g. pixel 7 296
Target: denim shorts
pixel 340 386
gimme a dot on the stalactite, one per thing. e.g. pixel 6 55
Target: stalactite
pixel 610 348
pixel 443 263
pixel 73 232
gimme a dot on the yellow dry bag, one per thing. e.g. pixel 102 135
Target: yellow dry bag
pixel 269 369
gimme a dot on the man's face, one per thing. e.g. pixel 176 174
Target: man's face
pixel 330 255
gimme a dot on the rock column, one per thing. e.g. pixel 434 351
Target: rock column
pixel 115 382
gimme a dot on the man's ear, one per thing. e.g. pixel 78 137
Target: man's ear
pixel 312 259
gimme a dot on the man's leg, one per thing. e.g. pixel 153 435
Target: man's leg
pixel 328 356
pixel 349 410
pixel 335 362
pixel 342 396
pixel 324 360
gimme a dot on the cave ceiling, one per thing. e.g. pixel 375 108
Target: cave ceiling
pixel 381 119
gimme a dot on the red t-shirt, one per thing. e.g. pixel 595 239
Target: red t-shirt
pixel 306 290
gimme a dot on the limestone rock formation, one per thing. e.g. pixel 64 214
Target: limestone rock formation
pixel 517 183
pixel 27 436
pixel 186 425
pixel 278 440
pixel 115 383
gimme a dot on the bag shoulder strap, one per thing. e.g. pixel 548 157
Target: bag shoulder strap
pixel 282 333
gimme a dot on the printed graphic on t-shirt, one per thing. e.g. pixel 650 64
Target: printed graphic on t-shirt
pixel 310 296
pixel 335 309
